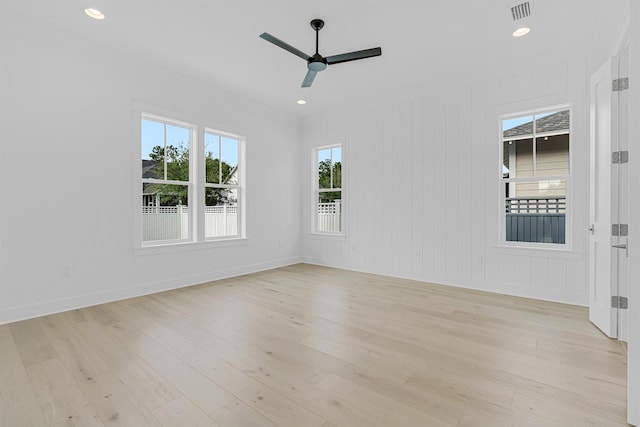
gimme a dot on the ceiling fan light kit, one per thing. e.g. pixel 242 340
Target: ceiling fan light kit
pixel 317 62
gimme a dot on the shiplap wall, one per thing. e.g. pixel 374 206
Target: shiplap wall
pixel 421 187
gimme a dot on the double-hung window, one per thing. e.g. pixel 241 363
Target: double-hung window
pixel 191 182
pixel 535 170
pixel 329 212
pixel 221 187
pixel 166 180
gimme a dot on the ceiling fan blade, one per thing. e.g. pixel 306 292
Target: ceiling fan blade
pixel 286 46
pixel 308 79
pixel 352 56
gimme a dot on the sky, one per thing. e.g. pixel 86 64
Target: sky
pixel 517 121
pixel 333 153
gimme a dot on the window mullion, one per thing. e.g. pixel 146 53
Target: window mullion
pixel 535 147
pixel 219 159
pixel 164 150
pixel 198 179
pixel 331 168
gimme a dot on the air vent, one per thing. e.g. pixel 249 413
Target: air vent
pixel 520 11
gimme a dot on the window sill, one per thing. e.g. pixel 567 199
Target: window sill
pixel 327 236
pixel 539 251
pixel 189 246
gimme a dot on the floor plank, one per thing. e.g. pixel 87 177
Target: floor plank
pixel 312 346
pixel 18 400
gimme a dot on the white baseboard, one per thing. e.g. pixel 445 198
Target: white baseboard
pixel 479 285
pixel 15 314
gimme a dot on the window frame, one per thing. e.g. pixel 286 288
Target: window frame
pixel 316 190
pixel 567 245
pixel 196 184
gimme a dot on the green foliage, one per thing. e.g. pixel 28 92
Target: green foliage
pixel 337 175
pixel 219 196
pixel 217 173
pixel 178 170
pixel 329 196
pixel 325 172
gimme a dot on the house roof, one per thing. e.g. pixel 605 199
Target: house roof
pixel 557 122
pixel 149 171
pixel 148 168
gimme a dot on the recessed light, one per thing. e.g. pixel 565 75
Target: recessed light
pixel 94 13
pixel 301 101
pixel 523 31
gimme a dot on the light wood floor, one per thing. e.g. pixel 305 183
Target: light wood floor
pixel 312 346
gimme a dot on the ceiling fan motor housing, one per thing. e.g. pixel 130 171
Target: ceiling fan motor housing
pixel 317 63
pixel 317 24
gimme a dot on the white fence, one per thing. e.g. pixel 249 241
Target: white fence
pixel 172 222
pixel 221 220
pixel 330 217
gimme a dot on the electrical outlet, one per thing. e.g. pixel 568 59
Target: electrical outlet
pixel 65 271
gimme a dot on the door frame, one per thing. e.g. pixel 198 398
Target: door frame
pixel 633 357
pixel 602 274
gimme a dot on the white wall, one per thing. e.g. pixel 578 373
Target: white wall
pixel 421 186
pixel 68 138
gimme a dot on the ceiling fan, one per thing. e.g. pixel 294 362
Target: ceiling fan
pixel 317 62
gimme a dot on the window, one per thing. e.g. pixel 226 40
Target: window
pixel 191 182
pixel 165 180
pixel 328 189
pixel 535 173
pixel 221 185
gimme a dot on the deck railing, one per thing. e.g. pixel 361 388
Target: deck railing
pixel 536 204
pixel 536 219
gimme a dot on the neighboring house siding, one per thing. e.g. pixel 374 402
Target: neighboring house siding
pixel 552 158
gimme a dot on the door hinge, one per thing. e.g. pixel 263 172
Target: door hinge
pixel 618 157
pixel 620 84
pixel 621 230
pixel 620 302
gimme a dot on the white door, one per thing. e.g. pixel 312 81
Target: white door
pixel 608 261
pixel 602 271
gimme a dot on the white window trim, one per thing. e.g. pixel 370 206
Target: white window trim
pixel 315 192
pixel 568 245
pixel 196 239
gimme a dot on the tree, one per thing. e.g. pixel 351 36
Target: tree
pixel 177 163
pixel 326 174
pixel 218 172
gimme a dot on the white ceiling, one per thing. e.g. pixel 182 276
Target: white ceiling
pixel 421 40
